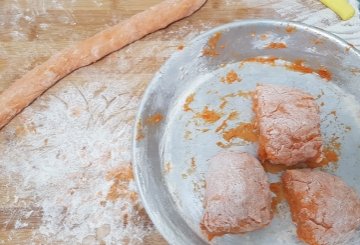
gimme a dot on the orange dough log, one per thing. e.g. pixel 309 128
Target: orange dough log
pixel 26 89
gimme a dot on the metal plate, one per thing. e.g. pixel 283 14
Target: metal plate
pixel 170 160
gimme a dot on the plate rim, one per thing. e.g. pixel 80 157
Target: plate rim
pixel 161 223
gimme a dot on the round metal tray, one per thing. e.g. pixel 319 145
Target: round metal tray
pixel 172 143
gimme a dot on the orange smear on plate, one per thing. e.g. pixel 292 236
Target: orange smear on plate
pixel 154 119
pixel 264 60
pixel 231 77
pixel 324 73
pixel 299 66
pixel 232 116
pixel 290 29
pixel 276 45
pixel 212 44
pixel 209 116
pixel 188 101
pixel 245 131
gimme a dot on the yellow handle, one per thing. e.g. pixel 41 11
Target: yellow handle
pixel 340 7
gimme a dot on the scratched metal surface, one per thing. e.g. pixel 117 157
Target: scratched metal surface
pixel 171 160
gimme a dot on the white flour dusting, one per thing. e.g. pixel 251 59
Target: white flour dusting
pixel 19 225
pixel 313 13
pixel 324 18
pixel 63 159
pixel 73 162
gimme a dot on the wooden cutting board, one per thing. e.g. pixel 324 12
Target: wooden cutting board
pixel 65 162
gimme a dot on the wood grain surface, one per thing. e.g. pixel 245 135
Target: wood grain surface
pixel 30 31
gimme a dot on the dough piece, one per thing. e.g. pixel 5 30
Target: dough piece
pixel 237 195
pixel 324 208
pixel 289 125
pixel 26 89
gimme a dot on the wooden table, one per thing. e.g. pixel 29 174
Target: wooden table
pixel 65 175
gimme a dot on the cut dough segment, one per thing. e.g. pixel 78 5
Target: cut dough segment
pixel 237 195
pixel 324 208
pixel 289 125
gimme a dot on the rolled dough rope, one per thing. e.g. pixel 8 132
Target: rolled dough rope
pixel 35 82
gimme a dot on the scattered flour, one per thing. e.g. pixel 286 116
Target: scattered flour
pixel 311 12
pixel 324 18
pixel 19 225
pixel 44 26
pixel 73 163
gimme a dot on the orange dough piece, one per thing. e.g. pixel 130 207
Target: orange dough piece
pixel 26 89
pixel 288 120
pixel 325 209
pixel 237 195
